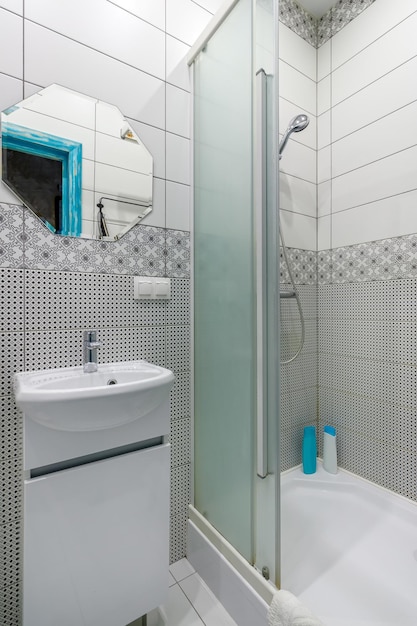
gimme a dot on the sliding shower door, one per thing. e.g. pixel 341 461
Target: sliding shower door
pixel 224 281
pixel 226 288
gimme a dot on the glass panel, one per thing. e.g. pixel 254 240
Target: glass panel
pixel 224 283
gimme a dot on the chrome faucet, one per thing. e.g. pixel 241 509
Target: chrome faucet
pixel 90 346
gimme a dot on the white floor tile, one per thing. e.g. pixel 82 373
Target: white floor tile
pixel 181 569
pixel 205 603
pixel 177 611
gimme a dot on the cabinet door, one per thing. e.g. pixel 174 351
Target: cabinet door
pixel 96 541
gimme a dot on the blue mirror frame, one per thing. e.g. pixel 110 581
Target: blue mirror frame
pixel 22 139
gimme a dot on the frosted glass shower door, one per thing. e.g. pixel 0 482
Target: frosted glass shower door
pixel 224 297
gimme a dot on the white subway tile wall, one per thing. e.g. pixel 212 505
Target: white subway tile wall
pixel 131 55
pixel 372 143
pixel 298 175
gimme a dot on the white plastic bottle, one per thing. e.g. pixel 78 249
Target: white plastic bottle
pixel 329 450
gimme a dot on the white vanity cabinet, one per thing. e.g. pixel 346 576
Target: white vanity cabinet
pixel 96 521
pixel 96 541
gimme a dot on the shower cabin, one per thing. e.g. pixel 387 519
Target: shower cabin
pixel 236 282
pixel 249 320
pixel 347 209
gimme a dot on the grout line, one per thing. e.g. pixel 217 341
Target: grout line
pixel 374 40
pixel 356 206
pixel 191 604
pixel 376 79
pixel 297 70
pixel 201 7
pixel 374 121
pixel 297 177
pixel 89 47
pixel 297 213
pixel 115 4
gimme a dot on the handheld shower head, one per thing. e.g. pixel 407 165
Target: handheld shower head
pixel 297 124
pixel 300 122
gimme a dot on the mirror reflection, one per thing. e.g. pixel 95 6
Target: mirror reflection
pixel 76 162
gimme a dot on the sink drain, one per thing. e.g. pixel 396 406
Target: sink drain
pixel 112 381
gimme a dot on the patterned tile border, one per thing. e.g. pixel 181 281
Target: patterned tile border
pixel 298 20
pixel 303 265
pixel 318 31
pixel 338 17
pixel 26 243
pixel 177 253
pixel 11 235
pixel 386 259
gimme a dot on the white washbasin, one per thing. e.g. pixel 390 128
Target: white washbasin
pixel 70 399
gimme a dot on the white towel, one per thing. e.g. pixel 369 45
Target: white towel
pixel 287 610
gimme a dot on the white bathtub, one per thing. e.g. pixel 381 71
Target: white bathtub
pixel 349 549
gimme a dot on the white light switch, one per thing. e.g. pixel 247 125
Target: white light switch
pixel 151 288
pixel 162 288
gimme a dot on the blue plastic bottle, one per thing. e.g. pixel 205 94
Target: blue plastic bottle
pixel 309 452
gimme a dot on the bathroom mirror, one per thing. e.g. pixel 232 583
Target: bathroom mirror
pixel 76 162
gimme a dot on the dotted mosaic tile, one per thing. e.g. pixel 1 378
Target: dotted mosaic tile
pixel 290 446
pixel 181 396
pixel 382 380
pixel 178 537
pixel 63 348
pixel 178 348
pixel 290 336
pixel 298 390
pixel 390 341
pixel 11 605
pixel 10 558
pixel 11 430
pixel 11 310
pixel 385 422
pixel 12 360
pixel 296 375
pixel 180 489
pixel 390 466
pixel 80 300
pixel 10 489
pixel 180 498
pixel 367 375
pixel 380 300
pixel 180 438
pixel 299 407
pixel 178 307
